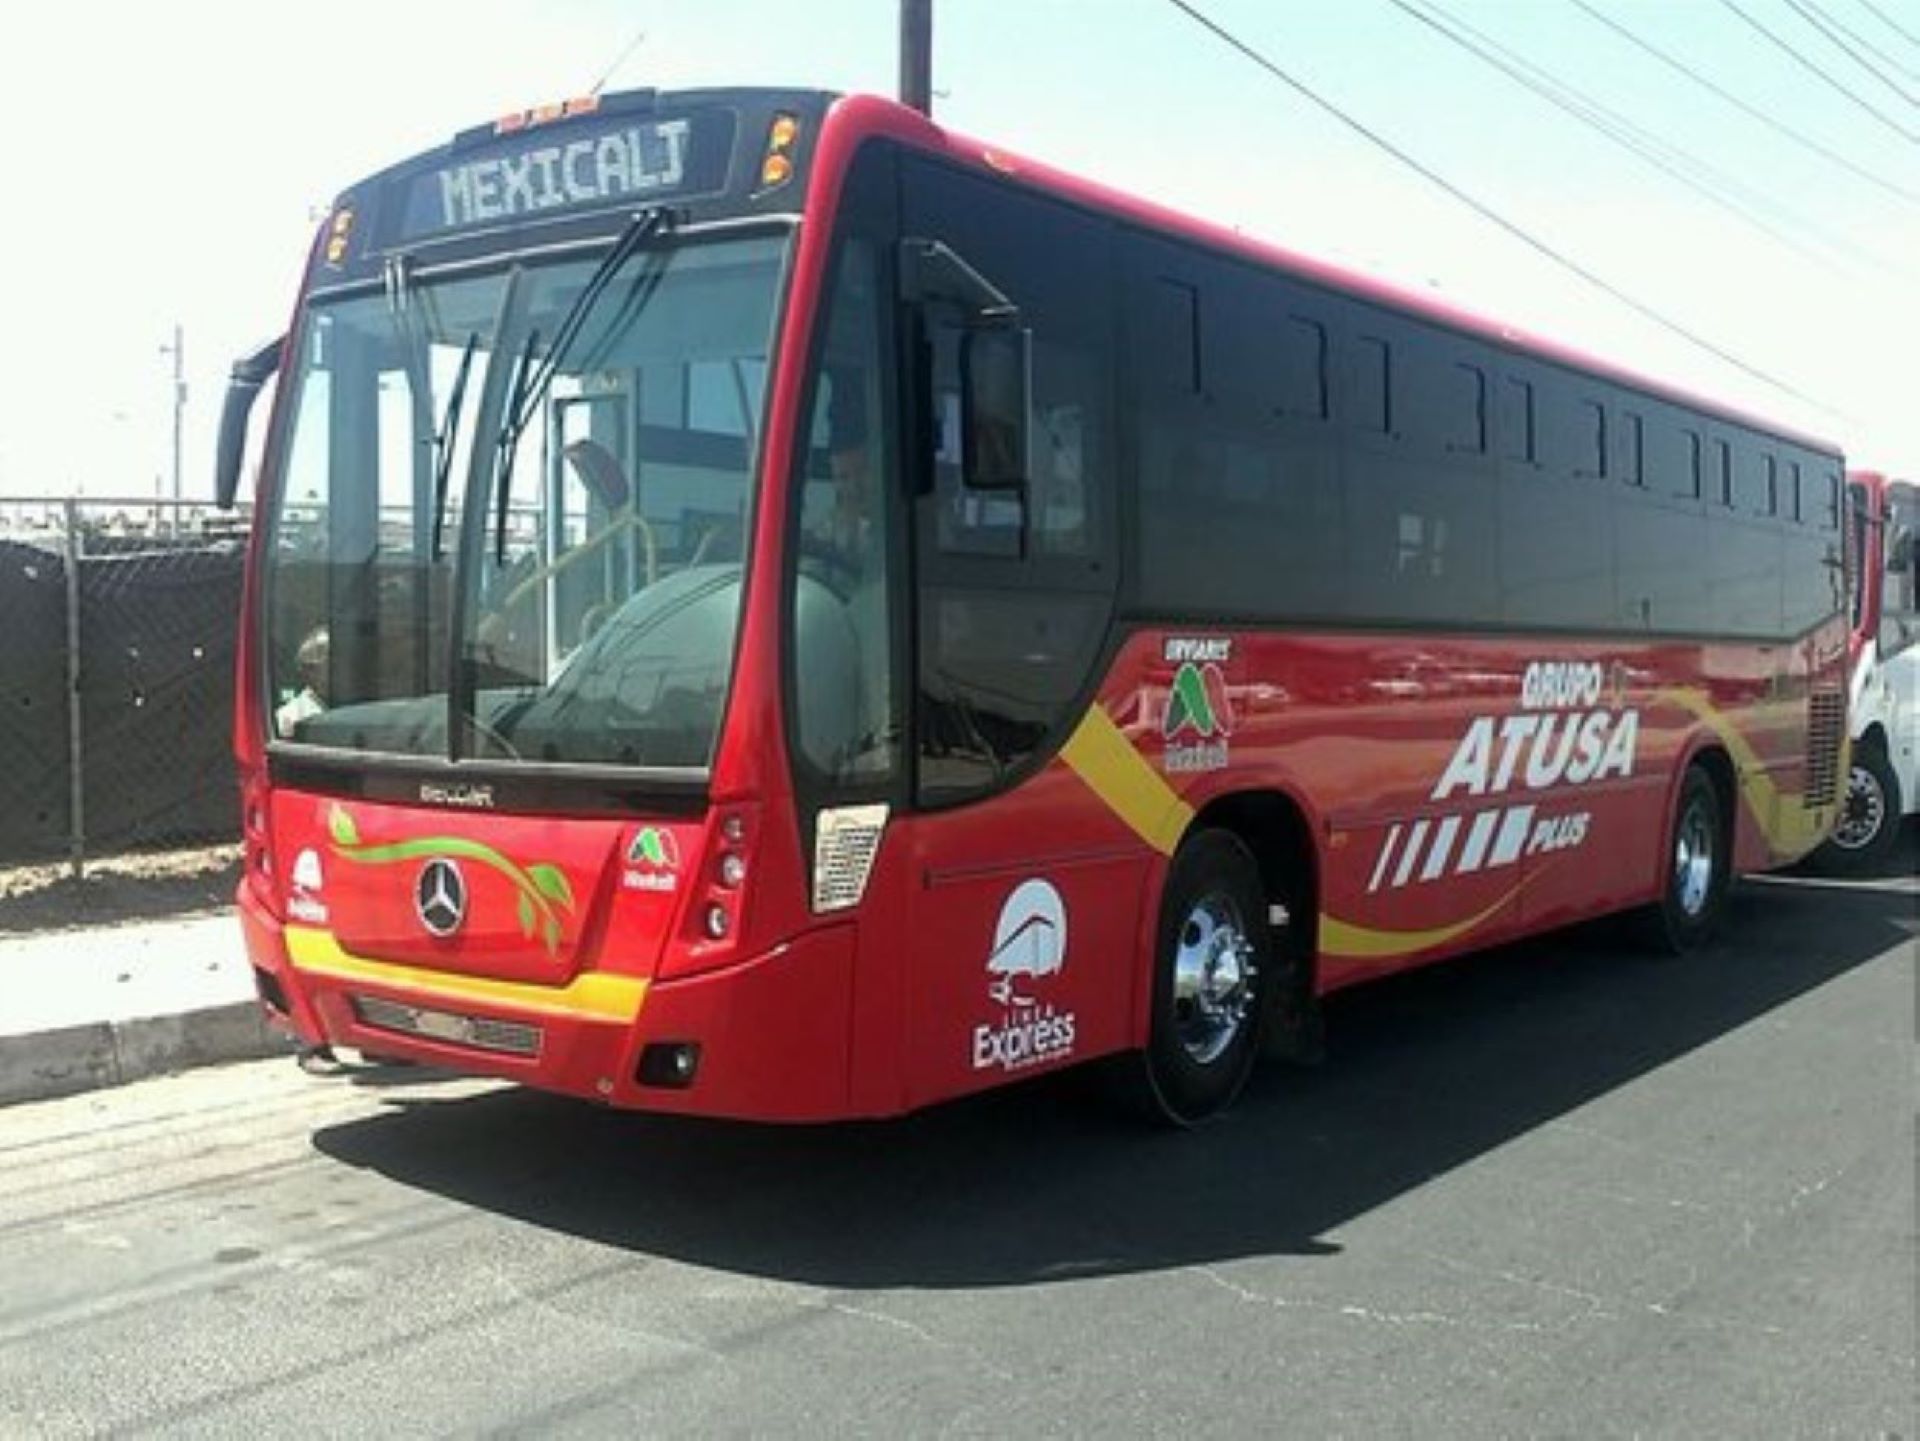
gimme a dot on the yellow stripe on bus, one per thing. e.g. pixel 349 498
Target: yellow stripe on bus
pixel 1102 756
pixel 1345 941
pixel 595 995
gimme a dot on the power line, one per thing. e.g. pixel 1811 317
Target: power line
pixel 1807 64
pixel 1712 185
pixel 1865 44
pixel 1891 23
pixel 1754 111
pixel 1487 213
pixel 1831 31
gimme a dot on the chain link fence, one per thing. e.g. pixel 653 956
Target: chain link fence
pixel 117 631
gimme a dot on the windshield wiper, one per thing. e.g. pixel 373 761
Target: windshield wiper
pixel 517 387
pixel 443 444
pixel 524 395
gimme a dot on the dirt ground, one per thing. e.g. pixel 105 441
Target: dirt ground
pixel 118 889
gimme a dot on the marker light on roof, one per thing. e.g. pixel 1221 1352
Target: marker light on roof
pixel 544 114
pixel 338 233
pixel 776 169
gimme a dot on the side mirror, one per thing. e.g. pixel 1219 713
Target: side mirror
pixel 996 389
pixel 932 274
pixel 250 372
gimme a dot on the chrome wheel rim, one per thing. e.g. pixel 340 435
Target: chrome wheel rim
pixel 1863 814
pixel 1693 861
pixel 1213 976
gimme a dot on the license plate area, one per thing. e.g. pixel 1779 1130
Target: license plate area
pixel 480 1033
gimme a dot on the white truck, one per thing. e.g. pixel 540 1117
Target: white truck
pixel 1883 785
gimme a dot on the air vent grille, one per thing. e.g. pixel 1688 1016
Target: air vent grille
pixel 1826 718
pixel 845 842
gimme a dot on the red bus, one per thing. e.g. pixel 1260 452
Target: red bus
pixel 1883 777
pixel 763 607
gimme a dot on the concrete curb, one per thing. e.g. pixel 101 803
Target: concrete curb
pixel 64 1062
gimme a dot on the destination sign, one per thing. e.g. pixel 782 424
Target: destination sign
pixel 536 173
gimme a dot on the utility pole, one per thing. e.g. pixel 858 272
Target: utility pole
pixel 178 350
pixel 916 55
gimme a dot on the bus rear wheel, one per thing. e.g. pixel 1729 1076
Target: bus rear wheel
pixel 1212 965
pixel 1869 816
pixel 1698 868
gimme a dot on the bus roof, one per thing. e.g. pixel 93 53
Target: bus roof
pixel 708 151
pixel 886 116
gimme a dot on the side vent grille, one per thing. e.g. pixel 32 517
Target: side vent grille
pixel 1826 716
pixel 845 841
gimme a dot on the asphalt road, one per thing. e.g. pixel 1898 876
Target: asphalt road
pixel 1561 1190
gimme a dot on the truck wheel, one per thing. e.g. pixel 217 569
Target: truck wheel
pixel 1869 816
pixel 1695 890
pixel 1212 965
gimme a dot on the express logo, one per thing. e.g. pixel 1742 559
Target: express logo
pixel 1029 945
pixel 303 900
pixel 1029 942
pixel 653 861
pixel 307 874
pixel 440 896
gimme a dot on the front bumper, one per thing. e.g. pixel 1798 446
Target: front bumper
pixel 771 1034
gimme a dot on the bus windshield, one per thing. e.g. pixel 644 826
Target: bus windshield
pixel 513 515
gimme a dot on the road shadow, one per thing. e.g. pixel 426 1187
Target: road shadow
pixel 1901 862
pixel 1425 1073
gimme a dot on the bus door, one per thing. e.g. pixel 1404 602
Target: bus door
pixel 1025 892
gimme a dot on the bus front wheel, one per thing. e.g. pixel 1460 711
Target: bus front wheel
pixel 1697 869
pixel 1212 965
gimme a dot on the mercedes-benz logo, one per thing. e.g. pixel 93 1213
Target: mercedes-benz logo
pixel 440 896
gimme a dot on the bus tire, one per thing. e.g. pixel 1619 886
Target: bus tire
pixel 1213 961
pixel 1869 815
pixel 1698 868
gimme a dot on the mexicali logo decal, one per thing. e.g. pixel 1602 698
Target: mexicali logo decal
pixel 653 861
pixel 543 894
pixel 1199 716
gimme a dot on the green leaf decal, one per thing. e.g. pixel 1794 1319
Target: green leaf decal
pixel 552 883
pixel 651 848
pixel 526 915
pixel 341 827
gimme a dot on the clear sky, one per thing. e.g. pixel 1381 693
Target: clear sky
pixel 168 163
